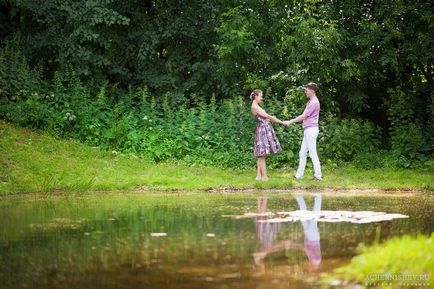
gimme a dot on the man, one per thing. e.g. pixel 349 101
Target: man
pixel 310 119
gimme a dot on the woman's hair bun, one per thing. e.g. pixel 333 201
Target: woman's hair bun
pixel 255 93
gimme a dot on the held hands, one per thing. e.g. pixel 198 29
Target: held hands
pixel 288 122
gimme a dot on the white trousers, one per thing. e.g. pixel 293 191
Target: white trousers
pixel 310 227
pixel 309 145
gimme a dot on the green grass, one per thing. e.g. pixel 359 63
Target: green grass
pixel 405 262
pixel 34 162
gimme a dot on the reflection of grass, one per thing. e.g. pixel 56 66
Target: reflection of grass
pixel 31 162
pixel 56 224
pixel 400 262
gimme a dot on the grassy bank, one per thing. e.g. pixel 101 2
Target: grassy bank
pixel 380 266
pixel 34 162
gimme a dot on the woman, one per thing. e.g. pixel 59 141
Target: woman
pixel 266 142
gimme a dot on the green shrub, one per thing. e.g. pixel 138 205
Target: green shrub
pixel 345 139
pixel 384 159
pixel 407 139
pixel 188 129
pixel 400 262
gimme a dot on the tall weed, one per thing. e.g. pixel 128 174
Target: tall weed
pixel 188 129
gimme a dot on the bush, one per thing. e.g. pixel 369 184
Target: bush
pixel 187 129
pixel 407 139
pixel 386 265
pixel 345 139
pixel 384 159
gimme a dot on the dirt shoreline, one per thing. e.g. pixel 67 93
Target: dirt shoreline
pixel 227 190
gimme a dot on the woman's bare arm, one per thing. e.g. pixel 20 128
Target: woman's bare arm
pixel 256 110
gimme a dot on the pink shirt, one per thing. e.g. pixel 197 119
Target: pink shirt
pixel 312 113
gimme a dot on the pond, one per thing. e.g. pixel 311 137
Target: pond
pixel 186 240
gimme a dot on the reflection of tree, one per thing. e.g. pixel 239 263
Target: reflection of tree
pixel 266 233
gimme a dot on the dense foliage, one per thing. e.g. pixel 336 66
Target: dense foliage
pixel 169 79
pixel 399 262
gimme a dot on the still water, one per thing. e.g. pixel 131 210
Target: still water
pixel 184 240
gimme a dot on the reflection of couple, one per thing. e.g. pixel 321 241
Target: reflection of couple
pixel 267 235
pixel 311 233
pixel 266 142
